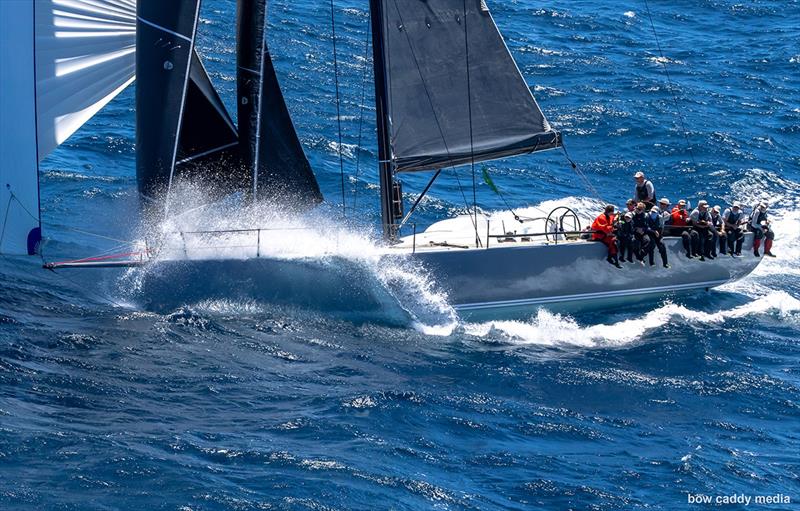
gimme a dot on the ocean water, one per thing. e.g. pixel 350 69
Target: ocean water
pixel 245 404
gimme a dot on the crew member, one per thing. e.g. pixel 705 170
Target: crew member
pixel 733 217
pixel 625 237
pixel 700 220
pixel 644 191
pixel 720 236
pixel 680 227
pixel 666 214
pixel 760 225
pixel 641 241
pixel 603 231
pixel 655 231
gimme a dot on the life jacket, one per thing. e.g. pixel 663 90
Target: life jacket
pixel 655 224
pixel 756 213
pixel 639 220
pixel 679 217
pixel 641 191
pixel 703 216
pixel 733 218
pixel 716 221
pixel 604 224
pixel 756 217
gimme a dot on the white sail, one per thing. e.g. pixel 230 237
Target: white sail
pixel 61 61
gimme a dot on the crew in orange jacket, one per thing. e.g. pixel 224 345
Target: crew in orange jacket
pixel 603 231
pixel 680 226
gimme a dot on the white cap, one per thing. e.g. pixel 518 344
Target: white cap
pixel 639 174
pixel 655 209
pixel 763 205
pixel 716 208
pixel 663 200
pixel 702 203
pixel 737 204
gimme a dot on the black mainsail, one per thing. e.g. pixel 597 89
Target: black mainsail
pixel 181 124
pixel 448 91
pixel 270 150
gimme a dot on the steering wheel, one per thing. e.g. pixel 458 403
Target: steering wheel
pixel 558 217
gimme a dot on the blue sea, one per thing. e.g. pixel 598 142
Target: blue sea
pixel 233 404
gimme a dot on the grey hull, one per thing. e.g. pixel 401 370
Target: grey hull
pixel 510 281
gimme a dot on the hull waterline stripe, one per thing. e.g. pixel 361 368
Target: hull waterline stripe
pixel 588 296
pixel 159 27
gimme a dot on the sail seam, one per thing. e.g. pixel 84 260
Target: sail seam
pixel 154 25
pixel 250 70
pixel 206 153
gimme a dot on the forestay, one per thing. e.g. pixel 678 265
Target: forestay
pixel 60 63
pixel 181 123
pixel 454 92
pixel 271 151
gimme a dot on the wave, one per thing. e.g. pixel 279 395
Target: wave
pixel 550 329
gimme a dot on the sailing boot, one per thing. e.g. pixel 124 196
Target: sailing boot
pixel 756 244
pixel 768 248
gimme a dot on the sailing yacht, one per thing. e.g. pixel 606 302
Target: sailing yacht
pixel 447 93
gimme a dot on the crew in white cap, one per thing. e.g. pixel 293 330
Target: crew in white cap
pixel 644 190
pixel 760 225
pixel 733 218
pixel 666 214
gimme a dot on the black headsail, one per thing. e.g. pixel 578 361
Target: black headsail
pixel 181 124
pixel 270 149
pixel 452 93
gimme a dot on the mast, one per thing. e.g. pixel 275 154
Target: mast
pixel 390 208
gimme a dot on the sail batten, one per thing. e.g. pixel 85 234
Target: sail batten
pixel 61 61
pixel 454 93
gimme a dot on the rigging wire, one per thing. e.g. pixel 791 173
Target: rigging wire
pixel 338 99
pixel 435 117
pixel 580 174
pixel 361 110
pixel 663 61
pixel 471 143
pixel 508 206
